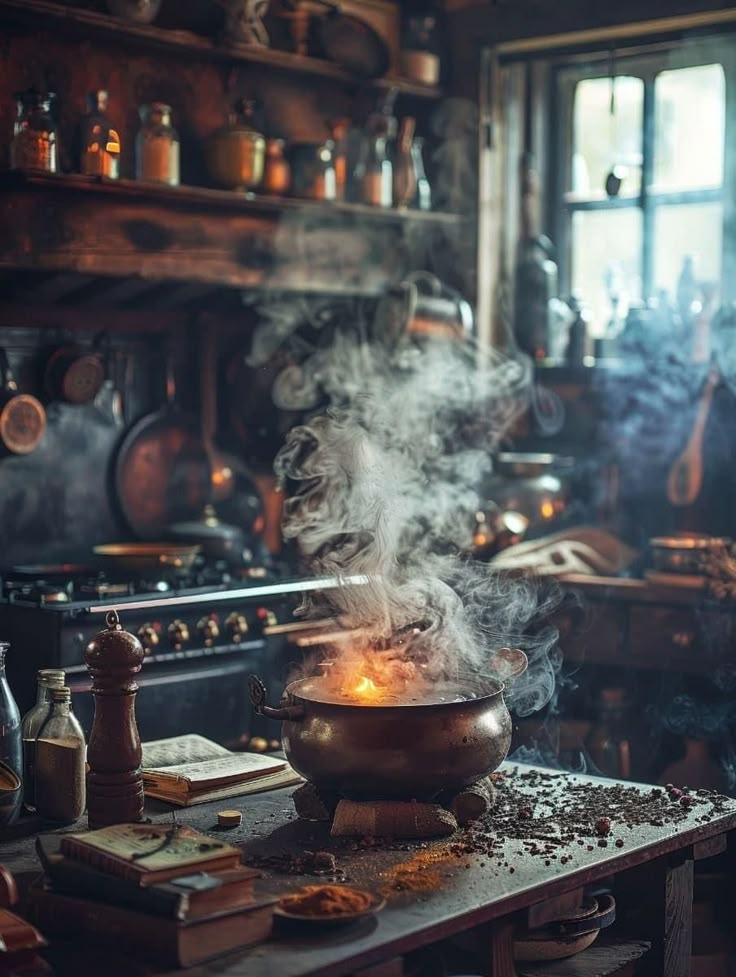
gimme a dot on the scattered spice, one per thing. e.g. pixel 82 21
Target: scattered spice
pixel 327 900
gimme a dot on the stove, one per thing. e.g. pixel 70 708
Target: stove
pixel 203 633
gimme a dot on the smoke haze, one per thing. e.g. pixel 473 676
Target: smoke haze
pixel 385 484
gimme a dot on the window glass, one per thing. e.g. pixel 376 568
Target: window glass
pixel 606 262
pixel 687 230
pixel 602 139
pixel 689 120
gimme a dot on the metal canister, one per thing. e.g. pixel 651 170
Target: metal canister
pixel 236 152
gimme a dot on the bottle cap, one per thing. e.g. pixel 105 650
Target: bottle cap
pixel 61 694
pixel 51 677
pixel 229 819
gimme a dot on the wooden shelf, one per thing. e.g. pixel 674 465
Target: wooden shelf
pixel 76 224
pixel 180 42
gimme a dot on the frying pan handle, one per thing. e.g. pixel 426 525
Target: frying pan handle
pixel 257 692
pixel 509 663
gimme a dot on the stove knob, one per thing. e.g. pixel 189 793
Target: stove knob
pixel 209 629
pixel 178 634
pixel 237 625
pixel 148 635
pixel 266 618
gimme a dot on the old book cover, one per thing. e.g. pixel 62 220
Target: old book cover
pixel 149 853
pixel 167 941
pixel 287 777
pixel 185 897
pixel 181 765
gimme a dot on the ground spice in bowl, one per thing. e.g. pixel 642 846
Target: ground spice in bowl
pixel 328 901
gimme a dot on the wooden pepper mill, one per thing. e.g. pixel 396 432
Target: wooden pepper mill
pixel 114 781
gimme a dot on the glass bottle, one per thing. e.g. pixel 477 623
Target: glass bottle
pixel 48 679
pixel 277 172
pixel 100 142
pixel 404 177
pixel 157 146
pixel 60 762
pixel 377 181
pixel 423 199
pixel 34 145
pixel 339 132
pixel 11 743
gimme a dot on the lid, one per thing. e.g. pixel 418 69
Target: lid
pixel 154 108
pixel 32 97
pixel 61 694
pixel 51 677
pixel 97 101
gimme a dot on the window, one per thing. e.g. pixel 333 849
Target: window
pixel 642 199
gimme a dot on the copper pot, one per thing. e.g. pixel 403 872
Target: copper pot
pixel 400 751
pixel 236 152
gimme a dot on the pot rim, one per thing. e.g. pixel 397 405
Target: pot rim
pixel 694 542
pixel 293 692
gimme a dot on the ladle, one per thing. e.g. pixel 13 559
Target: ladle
pixel 686 474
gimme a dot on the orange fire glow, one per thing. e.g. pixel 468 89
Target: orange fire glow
pixel 366 688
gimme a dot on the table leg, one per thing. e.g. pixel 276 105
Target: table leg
pixel 664 891
pixel 501 949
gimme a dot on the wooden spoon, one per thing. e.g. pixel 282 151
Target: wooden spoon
pixel 686 474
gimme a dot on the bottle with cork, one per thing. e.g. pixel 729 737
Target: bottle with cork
pixel 48 679
pixel 100 142
pixel 60 755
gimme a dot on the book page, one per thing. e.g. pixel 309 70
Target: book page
pixel 174 750
pixel 231 766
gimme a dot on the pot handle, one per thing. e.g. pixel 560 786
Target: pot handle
pixel 508 663
pixel 257 693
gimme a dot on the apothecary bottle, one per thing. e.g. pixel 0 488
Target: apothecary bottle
pixel 277 172
pixel 157 146
pixel 60 762
pixel 11 743
pixel 34 145
pixel 404 178
pixel 377 178
pixel 47 679
pixel 100 142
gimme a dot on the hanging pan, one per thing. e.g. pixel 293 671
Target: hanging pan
pixel 351 42
pixel 162 472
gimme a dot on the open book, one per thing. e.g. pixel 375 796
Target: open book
pixel 191 769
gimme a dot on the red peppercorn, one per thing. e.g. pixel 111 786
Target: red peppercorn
pixel 603 826
pixel 525 812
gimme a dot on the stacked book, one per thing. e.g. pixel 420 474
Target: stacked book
pixel 191 769
pixel 175 896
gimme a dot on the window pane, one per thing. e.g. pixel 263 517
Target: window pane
pixel 602 140
pixel 694 230
pixel 690 120
pixel 606 262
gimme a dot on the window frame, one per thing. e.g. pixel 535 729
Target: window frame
pixel 645 63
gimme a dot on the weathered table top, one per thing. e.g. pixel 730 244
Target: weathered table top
pixel 464 889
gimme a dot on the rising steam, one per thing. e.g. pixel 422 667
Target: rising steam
pixel 384 484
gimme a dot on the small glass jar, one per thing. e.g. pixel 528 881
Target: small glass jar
pixel 60 762
pixel 48 679
pixel 34 145
pixel 157 146
pixel 313 170
pixel 100 142
pixel 277 172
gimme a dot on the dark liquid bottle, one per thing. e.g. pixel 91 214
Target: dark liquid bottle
pixel 11 743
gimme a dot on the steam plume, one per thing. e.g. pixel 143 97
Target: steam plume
pixel 384 484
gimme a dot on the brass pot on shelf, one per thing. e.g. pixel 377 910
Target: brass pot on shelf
pixel 236 153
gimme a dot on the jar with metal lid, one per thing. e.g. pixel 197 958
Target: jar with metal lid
pixel 277 172
pixel 48 679
pixel 236 152
pixel 157 146
pixel 34 145
pixel 100 142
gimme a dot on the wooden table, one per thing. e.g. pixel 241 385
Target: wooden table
pixel 476 894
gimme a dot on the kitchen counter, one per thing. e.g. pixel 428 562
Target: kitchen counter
pixel 543 840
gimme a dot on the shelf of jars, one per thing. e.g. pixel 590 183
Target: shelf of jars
pixel 145 36
pixel 71 223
